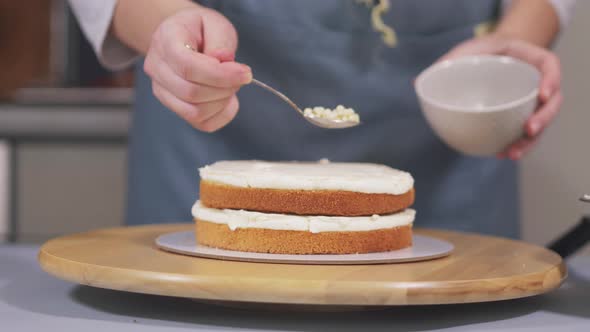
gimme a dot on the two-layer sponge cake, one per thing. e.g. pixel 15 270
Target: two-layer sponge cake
pixel 304 208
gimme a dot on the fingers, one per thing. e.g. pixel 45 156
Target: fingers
pixel 204 107
pixel 193 66
pixel 534 127
pixel 205 116
pixel 544 60
pixel 487 45
pixel 551 76
pixel 207 31
pixel 199 68
pixel 222 118
pixel 220 39
pixel 518 149
pixel 222 55
pixel 541 118
pixel 187 91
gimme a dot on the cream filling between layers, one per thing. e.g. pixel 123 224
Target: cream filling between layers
pixel 355 177
pixel 235 219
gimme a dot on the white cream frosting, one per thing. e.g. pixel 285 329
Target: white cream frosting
pixel 357 177
pixel 235 219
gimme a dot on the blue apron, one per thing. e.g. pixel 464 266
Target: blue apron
pixel 326 53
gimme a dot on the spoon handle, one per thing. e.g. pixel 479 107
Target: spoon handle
pixel 278 94
pixel 585 198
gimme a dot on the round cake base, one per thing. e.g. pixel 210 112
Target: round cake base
pixel 301 242
pixel 423 248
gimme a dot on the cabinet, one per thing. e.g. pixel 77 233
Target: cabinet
pixel 63 163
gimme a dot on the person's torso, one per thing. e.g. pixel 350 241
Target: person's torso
pixel 325 53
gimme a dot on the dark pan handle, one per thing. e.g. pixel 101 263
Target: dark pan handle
pixel 576 238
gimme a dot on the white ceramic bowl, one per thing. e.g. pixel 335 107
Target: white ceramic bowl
pixel 478 105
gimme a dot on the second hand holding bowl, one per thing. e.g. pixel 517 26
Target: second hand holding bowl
pixel 478 105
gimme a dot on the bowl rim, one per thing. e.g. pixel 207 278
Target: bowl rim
pixel 533 94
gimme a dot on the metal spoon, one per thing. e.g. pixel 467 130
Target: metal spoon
pixel 585 198
pixel 320 122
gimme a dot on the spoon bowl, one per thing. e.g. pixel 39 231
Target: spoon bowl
pixel 330 124
pixel 317 121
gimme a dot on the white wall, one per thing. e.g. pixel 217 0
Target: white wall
pixel 557 172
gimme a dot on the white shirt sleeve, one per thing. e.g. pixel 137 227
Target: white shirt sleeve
pixel 95 20
pixel 563 8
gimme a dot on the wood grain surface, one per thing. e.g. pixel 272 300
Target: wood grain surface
pixel 482 268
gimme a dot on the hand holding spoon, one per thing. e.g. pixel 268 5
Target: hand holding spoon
pixel 325 118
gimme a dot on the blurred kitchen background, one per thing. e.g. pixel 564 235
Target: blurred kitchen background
pixel 63 126
pixel 64 122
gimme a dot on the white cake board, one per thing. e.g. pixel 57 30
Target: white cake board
pixel 423 248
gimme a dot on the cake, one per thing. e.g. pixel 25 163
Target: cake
pixel 304 208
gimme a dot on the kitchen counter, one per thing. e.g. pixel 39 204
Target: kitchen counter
pixel 32 300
